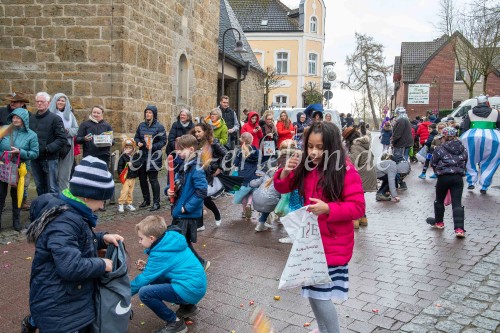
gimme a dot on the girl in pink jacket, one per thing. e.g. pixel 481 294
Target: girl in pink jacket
pixel 332 188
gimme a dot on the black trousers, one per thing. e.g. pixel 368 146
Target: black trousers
pixel 16 212
pixel 385 185
pixel 455 184
pixel 152 175
pixel 210 204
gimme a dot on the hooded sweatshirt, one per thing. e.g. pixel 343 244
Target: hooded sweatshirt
pixel 66 115
pixel 153 157
pixel 249 127
pixel 450 159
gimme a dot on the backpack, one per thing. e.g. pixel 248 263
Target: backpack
pixel 113 297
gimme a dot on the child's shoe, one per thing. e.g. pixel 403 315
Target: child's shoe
pixel 422 176
pixel 177 326
pixel 363 221
pixel 130 208
pixel 471 187
pixel 459 233
pixel 356 224
pixel 218 222
pixel 187 311
pixel 434 176
pixel 260 227
pixel 285 240
pixel 26 326
pixel 439 225
pixel 120 209
pixel 202 228
pixel 381 197
pixel 248 212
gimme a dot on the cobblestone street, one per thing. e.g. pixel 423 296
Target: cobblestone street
pixel 404 275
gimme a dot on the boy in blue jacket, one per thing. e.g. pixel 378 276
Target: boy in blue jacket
pixel 190 190
pixel 172 273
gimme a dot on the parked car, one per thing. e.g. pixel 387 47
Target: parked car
pixel 465 106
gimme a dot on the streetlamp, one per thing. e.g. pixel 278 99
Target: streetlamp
pixel 436 82
pixel 238 49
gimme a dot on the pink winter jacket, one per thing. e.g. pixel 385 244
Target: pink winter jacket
pixel 337 229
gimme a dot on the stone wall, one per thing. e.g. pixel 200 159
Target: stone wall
pixel 252 91
pixel 123 54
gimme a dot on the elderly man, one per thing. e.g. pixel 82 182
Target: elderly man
pixel 402 139
pixel 231 120
pixel 49 128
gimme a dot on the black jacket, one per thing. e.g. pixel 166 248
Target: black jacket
pixel 401 134
pixel 231 120
pixel 218 153
pixel 49 128
pixel 4 114
pixel 153 159
pixel 450 158
pixel 89 148
pixel 132 167
pixel 176 131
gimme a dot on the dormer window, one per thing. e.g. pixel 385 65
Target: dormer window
pixel 313 26
pixel 263 22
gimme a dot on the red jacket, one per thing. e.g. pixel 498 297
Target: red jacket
pixel 249 127
pixel 283 132
pixel 337 229
pixel 423 131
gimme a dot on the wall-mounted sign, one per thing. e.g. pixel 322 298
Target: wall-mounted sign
pixel 418 93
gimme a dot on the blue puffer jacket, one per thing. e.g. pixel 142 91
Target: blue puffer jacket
pixel 22 138
pixel 191 186
pixel 170 259
pixel 153 158
pixel 386 135
pixel 65 264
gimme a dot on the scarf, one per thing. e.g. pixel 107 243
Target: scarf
pixel 186 124
pixel 93 119
pixel 214 125
pixel 79 206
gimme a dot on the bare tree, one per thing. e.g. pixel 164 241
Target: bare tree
pixel 272 80
pixel 366 65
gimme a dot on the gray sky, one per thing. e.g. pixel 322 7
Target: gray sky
pixel 389 22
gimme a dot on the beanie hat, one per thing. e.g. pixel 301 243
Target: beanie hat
pixel 449 131
pixel 92 180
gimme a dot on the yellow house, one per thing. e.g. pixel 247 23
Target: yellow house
pixel 291 41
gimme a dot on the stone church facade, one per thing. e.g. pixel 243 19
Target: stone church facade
pixel 122 54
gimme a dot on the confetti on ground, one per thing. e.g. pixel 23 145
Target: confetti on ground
pixel 307 324
pixel 141 304
pixel 143 322
pixel 241 305
pixel 5 252
pixel 438 305
pixel 277 298
pixel 204 245
pixel 375 310
pixel 8 243
pixel 251 302
pixel 6 266
pixel 233 331
pixel 28 258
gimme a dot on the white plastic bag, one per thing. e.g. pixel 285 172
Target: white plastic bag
pixel 306 264
pixel 215 188
pixel 422 154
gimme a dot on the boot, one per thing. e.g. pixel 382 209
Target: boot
pixel 356 224
pixel 16 219
pixel 438 214
pixel 458 220
pixel 363 221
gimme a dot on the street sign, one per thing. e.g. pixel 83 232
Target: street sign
pixel 328 95
pixel 327 86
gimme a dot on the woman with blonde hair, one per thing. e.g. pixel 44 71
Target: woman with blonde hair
pixel 218 124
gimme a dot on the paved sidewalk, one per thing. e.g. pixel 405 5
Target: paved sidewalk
pixel 404 275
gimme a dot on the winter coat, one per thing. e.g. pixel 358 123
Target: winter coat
pixel 231 121
pixel 264 198
pixel 247 166
pixel 299 125
pixel 22 138
pixel 153 158
pixel 49 129
pixel 336 229
pixel 249 127
pixel 362 158
pixel 349 121
pixel 391 169
pixel 450 159
pixel 218 154
pixel 176 131
pixel 221 133
pixel 171 260
pixel 133 166
pixel 386 136
pixel 423 131
pixel 65 264
pixel 429 140
pixel 283 132
pixel 89 148
pixel 401 133
pixel 191 189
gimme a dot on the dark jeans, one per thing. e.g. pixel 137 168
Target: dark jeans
pixel 153 180
pixel 4 187
pixel 45 173
pixel 455 184
pixel 154 295
pixel 263 217
pixel 210 204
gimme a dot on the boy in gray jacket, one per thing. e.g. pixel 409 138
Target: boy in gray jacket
pixel 387 171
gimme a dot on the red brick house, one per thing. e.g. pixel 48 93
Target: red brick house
pixel 433 63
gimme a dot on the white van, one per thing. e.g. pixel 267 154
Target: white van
pixel 465 106
pixel 292 114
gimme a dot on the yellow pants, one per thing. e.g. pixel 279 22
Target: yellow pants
pixel 127 193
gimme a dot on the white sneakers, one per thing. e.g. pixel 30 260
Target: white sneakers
pixel 130 208
pixel 201 228
pixel 285 240
pixel 218 222
pixel 261 227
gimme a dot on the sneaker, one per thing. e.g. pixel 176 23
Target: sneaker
pixel 218 222
pixel 120 209
pixel 268 225
pixel 381 197
pixel 130 208
pixel 174 327
pixel 248 212
pixel 187 311
pixel 422 176
pixel 471 187
pixel 482 191
pixel 26 327
pixel 403 186
pixel 285 240
pixel 439 225
pixel 434 176
pixel 459 233
pixel 260 227
pixel 202 228
pixel 206 265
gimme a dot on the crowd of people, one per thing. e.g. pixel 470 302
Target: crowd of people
pixel 281 166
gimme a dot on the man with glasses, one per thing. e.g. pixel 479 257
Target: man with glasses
pixel 49 128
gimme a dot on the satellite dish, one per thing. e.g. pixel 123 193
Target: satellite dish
pixel 332 76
